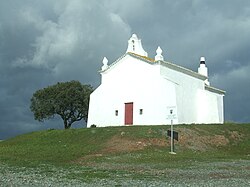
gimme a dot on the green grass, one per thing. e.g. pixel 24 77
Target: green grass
pixel 53 146
pixel 64 147
pixel 81 152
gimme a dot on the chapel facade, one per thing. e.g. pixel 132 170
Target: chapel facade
pixel 138 90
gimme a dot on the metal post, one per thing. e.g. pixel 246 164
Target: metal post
pixel 172 136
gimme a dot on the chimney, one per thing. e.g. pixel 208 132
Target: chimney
pixel 203 69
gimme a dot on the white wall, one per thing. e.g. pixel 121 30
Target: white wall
pixel 186 87
pixel 131 81
pixel 209 107
pixel 152 88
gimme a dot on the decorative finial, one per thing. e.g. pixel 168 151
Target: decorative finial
pixel 159 54
pixel 159 50
pixel 105 64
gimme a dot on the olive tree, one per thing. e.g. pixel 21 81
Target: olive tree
pixel 69 100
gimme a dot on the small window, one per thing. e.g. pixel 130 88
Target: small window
pixel 116 112
pixel 141 111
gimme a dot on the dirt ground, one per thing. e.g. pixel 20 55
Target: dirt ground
pixel 188 139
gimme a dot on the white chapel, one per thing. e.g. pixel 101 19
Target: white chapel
pixel 138 90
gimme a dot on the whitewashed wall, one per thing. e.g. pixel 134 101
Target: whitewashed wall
pixel 186 87
pixel 131 81
pixel 209 107
pixel 152 88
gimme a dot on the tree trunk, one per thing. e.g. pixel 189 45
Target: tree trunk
pixel 66 125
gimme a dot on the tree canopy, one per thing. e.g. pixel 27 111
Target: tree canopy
pixel 69 100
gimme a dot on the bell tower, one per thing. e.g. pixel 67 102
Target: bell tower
pixel 135 46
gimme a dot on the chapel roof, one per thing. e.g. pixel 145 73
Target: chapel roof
pixel 169 65
pixel 143 57
pixel 136 50
pixel 215 90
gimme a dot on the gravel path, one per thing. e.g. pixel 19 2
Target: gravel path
pixel 234 173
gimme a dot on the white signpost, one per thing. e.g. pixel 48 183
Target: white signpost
pixel 171 115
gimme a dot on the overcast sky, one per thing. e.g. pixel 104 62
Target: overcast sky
pixel 43 42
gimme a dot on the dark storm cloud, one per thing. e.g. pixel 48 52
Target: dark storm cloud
pixel 46 42
pixel 186 30
pixel 43 42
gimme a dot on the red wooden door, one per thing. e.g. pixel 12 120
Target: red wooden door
pixel 128 113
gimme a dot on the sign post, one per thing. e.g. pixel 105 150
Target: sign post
pixel 172 138
pixel 172 114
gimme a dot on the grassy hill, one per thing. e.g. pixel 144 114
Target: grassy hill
pixel 67 146
pixel 138 151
